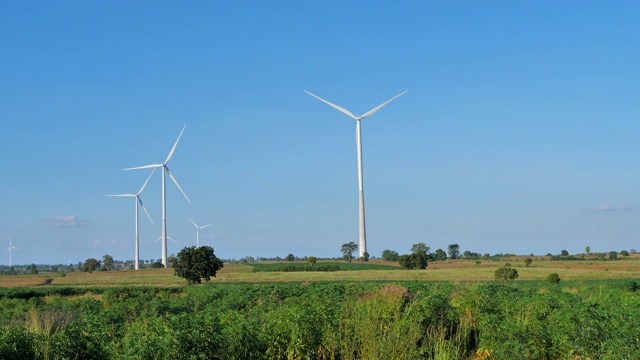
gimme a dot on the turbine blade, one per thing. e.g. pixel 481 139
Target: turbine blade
pixel 339 108
pixel 145 183
pixel 158 239
pixel 372 111
pixel 145 167
pixel 178 185
pixel 169 237
pixel 194 224
pixel 202 227
pixel 145 210
pixel 174 145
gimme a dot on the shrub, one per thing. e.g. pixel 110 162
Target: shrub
pixel 527 262
pixel 414 261
pixel 553 278
pixel 506 274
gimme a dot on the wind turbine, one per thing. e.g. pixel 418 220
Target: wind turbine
pixel 10 251
pixel 137 201
pixel 363 232
pixel 198 231
pixel 165 169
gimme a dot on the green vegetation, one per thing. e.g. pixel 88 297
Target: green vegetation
pixel 399 320
pixel 553 278
pixel 197 263
pixel 325 266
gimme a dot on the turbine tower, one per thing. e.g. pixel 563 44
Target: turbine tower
pixel 363 233
pixel 165 169
pixel 198 231
pixel 137 201
pixel 10 250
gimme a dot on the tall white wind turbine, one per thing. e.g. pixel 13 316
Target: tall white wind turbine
pixel 363 232
pixel 198 231
pixel 165 169
pixel 137 201
pixel 10 251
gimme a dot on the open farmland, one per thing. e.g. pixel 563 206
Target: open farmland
pixel 450 270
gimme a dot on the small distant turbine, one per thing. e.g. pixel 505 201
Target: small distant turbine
pixel 363 232
pixel 10 251
pixel 137 201
pixel 165 169
pixel 198 231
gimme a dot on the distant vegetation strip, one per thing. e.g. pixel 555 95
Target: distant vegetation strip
pixel 320 267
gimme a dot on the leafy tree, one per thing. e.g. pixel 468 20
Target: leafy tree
pixel 587 250
pixel 348 250
pixel 390 255
pixel 157 265
pixel 564 253
pixel 33 269
pixel 527 262
pixel 624 253
pixel 364 257
pixel 195 264
pixel 107 262
pixel 90 265
pixel 290 257
pixel 454 251
pixel 420 248
pixel 440 255
pixel 553 278
pixel 613 255
pixel 171 259
pixel 416 261
pixel 506 274
pixel 312 260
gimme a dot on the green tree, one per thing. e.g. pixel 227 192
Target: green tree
pixel 157 265
pixel 290 257
pixel 195 264
pixel 587 250
pixel 90 265
pixel 416 261
pixel 564 253
pixel 107 262
pixel 454 251
pixel 389 255
pixel 613 255
pixel 553 278
pixel 624 253
pixel 440 255
pixel 312 260
pixel 33 269
pixel 364 257
pixel 420 248
pixel 527 262
pixel 348 250
pixel 506 274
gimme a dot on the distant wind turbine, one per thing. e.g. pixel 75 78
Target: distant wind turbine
pixel 363 232
pixel 165 169
pixel 198 231
pixel 137 201
pixel 10 250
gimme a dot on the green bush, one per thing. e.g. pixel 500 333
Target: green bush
pixel 553 278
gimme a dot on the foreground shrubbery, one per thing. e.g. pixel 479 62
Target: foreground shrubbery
pixel 324 321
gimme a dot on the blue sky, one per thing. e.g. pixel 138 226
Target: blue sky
pixel 519 133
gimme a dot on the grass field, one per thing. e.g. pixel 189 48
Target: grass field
pixel 377 270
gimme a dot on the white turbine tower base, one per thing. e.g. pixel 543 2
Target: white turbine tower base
pixel 198 231
pixel 363 232
pixel 136 201
pixel 165 169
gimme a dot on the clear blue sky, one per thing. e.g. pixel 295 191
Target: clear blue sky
pixel 519 133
